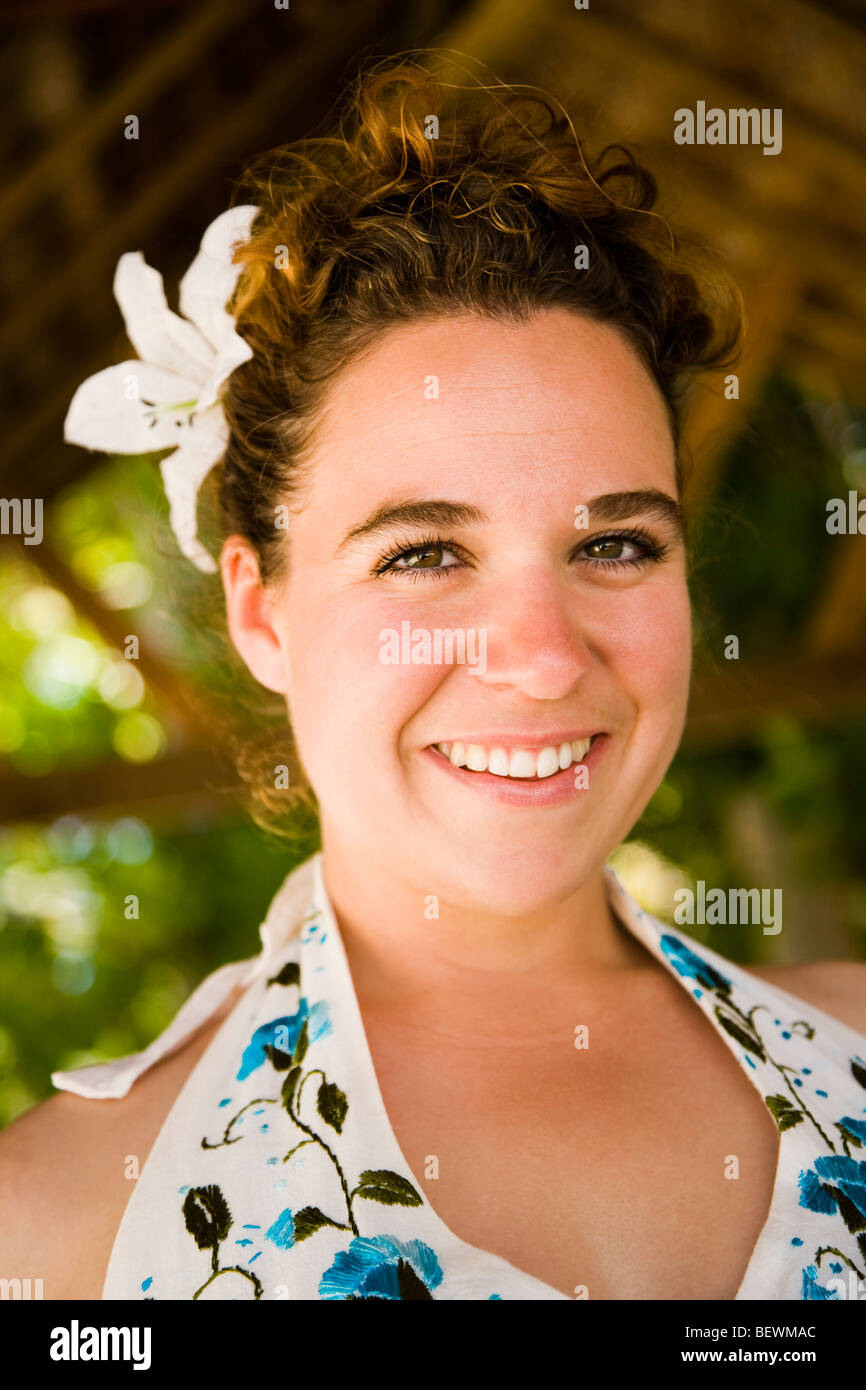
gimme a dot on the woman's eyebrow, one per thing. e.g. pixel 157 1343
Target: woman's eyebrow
pixel 650 503
pixel 421 512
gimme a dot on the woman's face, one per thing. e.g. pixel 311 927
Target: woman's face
pixel 501 433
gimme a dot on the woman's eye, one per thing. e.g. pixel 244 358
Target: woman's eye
pixel 430 557
pixel 434 557
pixel 620 551
pixel 610 548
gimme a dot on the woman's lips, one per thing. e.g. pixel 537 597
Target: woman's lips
pixel 528 791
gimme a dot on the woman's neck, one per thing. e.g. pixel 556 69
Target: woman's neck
pixel 418 955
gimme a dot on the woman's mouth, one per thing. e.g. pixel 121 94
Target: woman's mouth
pixel 517 763
pixel 522 775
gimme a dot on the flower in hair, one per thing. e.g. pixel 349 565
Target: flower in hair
pixel 170 395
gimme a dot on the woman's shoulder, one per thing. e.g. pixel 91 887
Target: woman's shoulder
pixel 836 987
pixel 67 1169
pixel 59 1192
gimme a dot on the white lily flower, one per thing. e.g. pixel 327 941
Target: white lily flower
pixel 170 396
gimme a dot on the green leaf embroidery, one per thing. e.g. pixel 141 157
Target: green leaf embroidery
pixel 281 1061
pixel 846 1134
pixel 289 975
pixel 332 1105
pixel 858 1072
pixel 302 1044
pixel 409 1284
pixel 207 1216
pixel 849 1211
pixel 309 1220
pixel 783 1112
pixel 381 1185
pixel 288 1090
pixel 750 1041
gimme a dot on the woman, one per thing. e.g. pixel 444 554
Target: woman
pixel 465 1064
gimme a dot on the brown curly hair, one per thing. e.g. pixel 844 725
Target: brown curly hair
pixel 434 198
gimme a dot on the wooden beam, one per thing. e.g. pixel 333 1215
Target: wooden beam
pixel 38 10
pixel 729 704
pixel 228 132
pixel 135 91
pixel 813 65
pixel 192 776
pixel 713 421
pixel 307 76
pixel 761 211
pixel 750 210
pixel 776 187
pixel 841 335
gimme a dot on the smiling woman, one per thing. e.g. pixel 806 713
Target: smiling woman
pixel 531 420
pixel 458 414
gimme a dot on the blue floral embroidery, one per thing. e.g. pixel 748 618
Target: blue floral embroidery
pixel 836 1182
pixel 282 1232
pixel 690 966
pixel 812 1289
pixel 382 1267
pixel 854 1130
pixel 282 1034
pixel 377 1267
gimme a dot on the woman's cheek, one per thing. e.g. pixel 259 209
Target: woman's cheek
pixel 346 703
pixel 650 644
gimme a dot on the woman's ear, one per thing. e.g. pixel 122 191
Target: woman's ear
pixel 250 614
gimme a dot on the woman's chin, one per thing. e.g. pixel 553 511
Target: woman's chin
pixel 516 882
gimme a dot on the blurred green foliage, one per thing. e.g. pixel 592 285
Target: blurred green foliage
pixel 80 982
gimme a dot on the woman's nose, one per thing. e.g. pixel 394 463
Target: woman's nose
pixel 536 640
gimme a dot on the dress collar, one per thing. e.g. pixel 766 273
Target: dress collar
pixel 763 1027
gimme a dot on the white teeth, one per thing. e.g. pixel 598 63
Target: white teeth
pixel 476 757
pixel 497 762
pixel 520 762
pixel 548 762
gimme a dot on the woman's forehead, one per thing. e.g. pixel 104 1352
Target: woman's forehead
pixel 544 392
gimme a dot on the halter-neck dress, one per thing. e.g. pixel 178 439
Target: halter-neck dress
pixel 277 1175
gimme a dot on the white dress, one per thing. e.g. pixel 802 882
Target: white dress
pixel 277 1174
